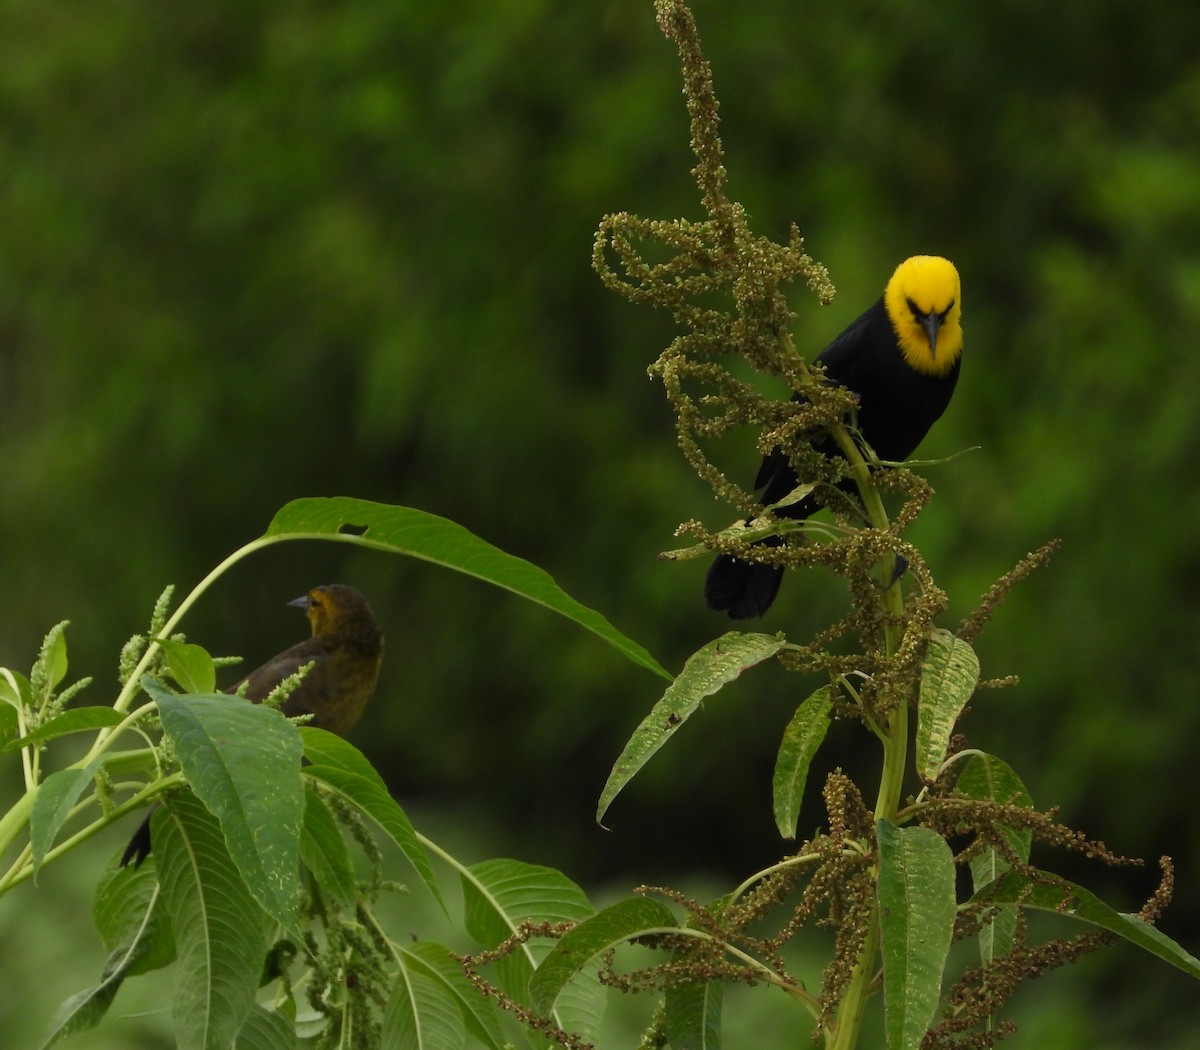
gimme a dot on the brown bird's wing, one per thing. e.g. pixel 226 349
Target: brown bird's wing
pixel 262 680
pixel 335 690
pixel 313 696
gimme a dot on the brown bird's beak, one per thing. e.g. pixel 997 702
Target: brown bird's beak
pixel 299 603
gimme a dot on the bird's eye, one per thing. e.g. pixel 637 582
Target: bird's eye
pixel 919 315
pixel 946 312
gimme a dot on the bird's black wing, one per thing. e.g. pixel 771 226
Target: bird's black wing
pixel 845 362
pixel 842 361
pixel 746 589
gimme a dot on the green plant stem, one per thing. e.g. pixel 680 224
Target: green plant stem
pixel 27 759
pixel 10 824
pixel 846 1026
pixel 125 698
pixel 22 869
pixel 844 1033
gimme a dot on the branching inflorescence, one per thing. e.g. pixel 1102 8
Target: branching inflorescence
pixel 725 288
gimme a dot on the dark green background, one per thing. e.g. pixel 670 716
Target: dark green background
pixel 255 251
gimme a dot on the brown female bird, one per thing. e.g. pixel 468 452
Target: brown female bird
pixel 345 650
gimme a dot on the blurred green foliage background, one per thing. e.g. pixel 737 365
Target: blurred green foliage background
pixel 255 251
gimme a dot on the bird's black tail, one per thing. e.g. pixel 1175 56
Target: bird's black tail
pixel 139 845
pixel 743 589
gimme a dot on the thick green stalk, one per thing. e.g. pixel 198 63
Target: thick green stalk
pixel 846 1026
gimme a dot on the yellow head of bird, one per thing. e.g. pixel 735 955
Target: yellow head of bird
pixel 923 300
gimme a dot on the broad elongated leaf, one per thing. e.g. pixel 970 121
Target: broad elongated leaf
pixel 916 921
pixel 987 778
pixel 948 678
pixel 52 805
pixel 422 1014
pixel 128 913
pixel 436 962
pixel 243 762
pixel 133 927
pixel 220 930
pixel 615 925
pixel 266 1030
pixel 498 896
pixel 708 670
pixel 694 1015
pixel 1054 894
pixel 343 769
pixel 77 720
pixel 85 1009
pixel 323 851
pixel 405 530
pixel 801 740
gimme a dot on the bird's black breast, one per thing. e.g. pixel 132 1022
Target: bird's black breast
pixel 896 404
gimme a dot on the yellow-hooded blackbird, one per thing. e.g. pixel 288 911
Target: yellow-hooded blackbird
pixel 346 649
pixel 901 357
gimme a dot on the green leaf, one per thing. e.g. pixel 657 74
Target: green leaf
pixel 323 851
pixel 801 740
pixel 54 655
pixel 344 770
pixel 1054 894
pixel 85 1009
pixel 916 920
pixel 190 666
pixel 694 1015
pixel 498 895
pixel 9 724
pixel 128 914
pixel 480 1013
pixel 422 1013
pixel 132 925
pixel 52 806
pixel 220 930
pixel 987 778
pixel 707 670
pixel 243 762
pixel 404 530
pixel 991 779
pixel 948 678
pixel 615 925
pixel 77 720
pixel 14 689
pixel 266 1030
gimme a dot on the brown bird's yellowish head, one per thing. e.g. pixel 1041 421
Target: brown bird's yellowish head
pixel 923 300
pixel 333 607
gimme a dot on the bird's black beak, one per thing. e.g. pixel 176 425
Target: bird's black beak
pixel 299 603
pixel 931 322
